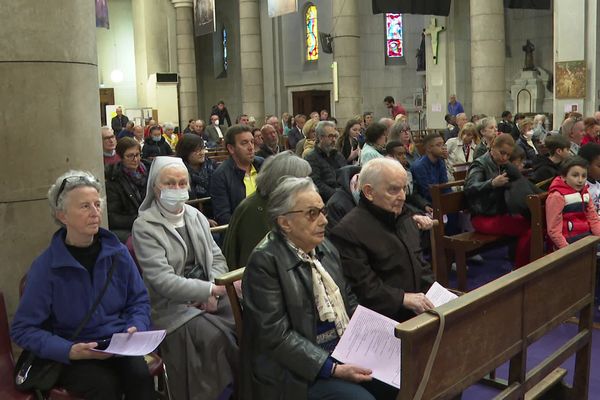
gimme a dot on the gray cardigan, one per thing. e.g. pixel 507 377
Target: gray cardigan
pixel 161 253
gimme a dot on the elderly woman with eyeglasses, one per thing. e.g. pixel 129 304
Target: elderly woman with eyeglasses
pixel 180 261
pixel 297 305
pixel 125 187
pixel 64 282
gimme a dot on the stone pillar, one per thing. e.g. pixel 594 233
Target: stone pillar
pixel 253 98
pixel 51 108
pixel 488 54
pixel 186 61
pixel 346 51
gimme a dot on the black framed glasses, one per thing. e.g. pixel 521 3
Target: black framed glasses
pixel 311 213
pixel 132 156
pixel 72 179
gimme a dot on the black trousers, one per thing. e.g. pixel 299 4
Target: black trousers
pixel 109 379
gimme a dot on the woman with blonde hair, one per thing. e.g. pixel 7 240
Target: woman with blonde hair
pixel 401 131
pixel 461 149
pixel 305 145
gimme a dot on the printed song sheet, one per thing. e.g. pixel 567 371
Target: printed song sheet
pixel 369 342
pixel 439 295
pixel 134 344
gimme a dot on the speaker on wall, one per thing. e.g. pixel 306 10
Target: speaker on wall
pixel 166 77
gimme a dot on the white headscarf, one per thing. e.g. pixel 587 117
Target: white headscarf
pixel 159 163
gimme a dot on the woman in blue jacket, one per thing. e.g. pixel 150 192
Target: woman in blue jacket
pixel 62 285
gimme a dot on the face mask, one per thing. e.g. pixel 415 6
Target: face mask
pixel 156 138
pixel 173 199
pixel 528 135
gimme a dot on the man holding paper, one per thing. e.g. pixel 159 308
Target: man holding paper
pixel 297 305
pixel 379 245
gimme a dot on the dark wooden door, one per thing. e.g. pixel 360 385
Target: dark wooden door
pixel 107 97
pixel 307 101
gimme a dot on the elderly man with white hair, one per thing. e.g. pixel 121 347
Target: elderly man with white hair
pixel 379 245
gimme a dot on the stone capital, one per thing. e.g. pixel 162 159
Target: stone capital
pixel 183 3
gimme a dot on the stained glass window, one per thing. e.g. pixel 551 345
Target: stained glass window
pixel 393 30
pixel 225 49
pixel 312 34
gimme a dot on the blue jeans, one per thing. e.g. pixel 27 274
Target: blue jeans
pixel 337 389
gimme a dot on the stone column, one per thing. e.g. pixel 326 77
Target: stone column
pixel 186 61
pixel 487 57
pixel 253 99
pixel 51 108
pixel 346 51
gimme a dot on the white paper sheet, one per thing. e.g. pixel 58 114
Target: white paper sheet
pixel 135 344
pixel 369 342
pixel 439 295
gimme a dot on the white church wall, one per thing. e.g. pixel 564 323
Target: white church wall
pixel 459 54
pixel 212 85
pixel 116 52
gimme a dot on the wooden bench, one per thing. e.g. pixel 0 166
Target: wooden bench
pixel 458 246
pixel 229 280
pixel 497 322
pixel 460 171
pixel 199 203
pixel 537 208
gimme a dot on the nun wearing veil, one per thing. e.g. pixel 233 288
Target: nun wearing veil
pixel 180 260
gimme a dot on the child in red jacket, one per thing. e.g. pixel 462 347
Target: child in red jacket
pixel 570 212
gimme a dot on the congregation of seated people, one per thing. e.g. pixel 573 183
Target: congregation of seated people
pixel 323 217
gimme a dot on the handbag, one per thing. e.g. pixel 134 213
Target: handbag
pixel 39 374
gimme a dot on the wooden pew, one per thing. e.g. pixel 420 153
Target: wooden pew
pixel 198 203
pixel 457 246
pixel 460 171
pixel 497 322
pixel 537 208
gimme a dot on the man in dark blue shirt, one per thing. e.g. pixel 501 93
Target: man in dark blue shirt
pixel 430 169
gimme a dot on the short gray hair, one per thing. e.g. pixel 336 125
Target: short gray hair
pixel 282 164
pixel 397 129
pixel 371 172
pixel 484 123
pixel 169 125
pixel 320 129
pixel 67 182
pixel 106 128
pixel 283 198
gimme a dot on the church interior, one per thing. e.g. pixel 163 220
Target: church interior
pixel 400 74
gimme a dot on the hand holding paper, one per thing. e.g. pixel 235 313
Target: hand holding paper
pixel 134 344
pixel 439 295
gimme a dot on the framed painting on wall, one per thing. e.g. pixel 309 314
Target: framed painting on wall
pixel 204 17
pixel 570 80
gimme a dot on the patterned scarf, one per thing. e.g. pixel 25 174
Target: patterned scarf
pixel 328 298
pixel 138 177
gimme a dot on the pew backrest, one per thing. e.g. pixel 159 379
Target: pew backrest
pixel 496 322
pixel 537 208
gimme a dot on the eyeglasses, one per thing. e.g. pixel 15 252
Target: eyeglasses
pixel 311 213
pixel 132 156
pixel 332 136
pixel 108 137
pixel 73 179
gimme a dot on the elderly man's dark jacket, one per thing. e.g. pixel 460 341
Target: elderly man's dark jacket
pixel 381 258
pixel 324 167
pixel 280 358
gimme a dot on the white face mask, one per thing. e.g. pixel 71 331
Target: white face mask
pixel 173 199
pixel 528 135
